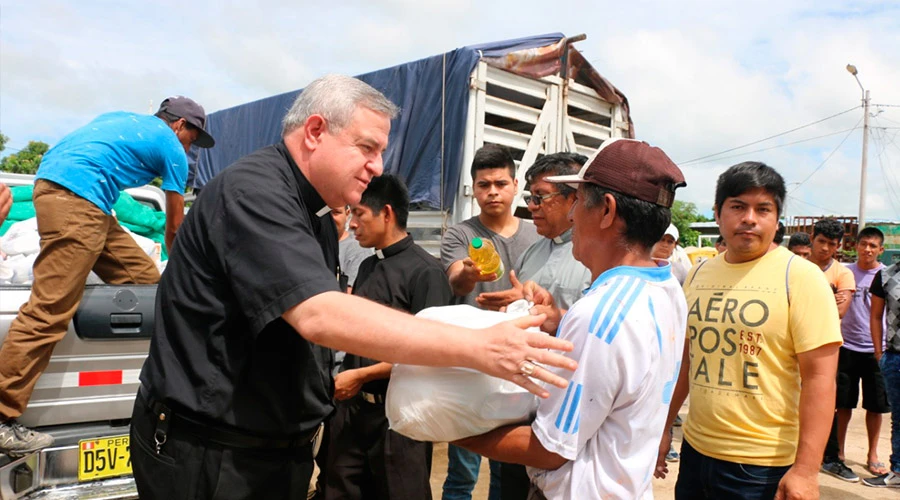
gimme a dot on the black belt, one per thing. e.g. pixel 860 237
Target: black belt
pixel 222 436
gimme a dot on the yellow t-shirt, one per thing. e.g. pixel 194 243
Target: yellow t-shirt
pixel 744 334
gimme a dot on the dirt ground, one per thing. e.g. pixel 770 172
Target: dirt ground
pixel 831 488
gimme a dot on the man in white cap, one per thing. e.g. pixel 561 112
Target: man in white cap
pixel 77 184
pixel 667 249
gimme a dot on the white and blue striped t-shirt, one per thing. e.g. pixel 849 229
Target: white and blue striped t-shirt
pixel 628 331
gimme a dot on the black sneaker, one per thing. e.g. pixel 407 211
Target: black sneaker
pixel 17 440
pixel 840 470
pixel 889 480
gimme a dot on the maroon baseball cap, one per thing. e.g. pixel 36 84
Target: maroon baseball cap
pixel 193 113
pixel 633 168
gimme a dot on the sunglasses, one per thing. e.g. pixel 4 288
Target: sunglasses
pixel 537 199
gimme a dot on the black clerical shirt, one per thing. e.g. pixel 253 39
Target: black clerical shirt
pixel 257 242
pixel 403 276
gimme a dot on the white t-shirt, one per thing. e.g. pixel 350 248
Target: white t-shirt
pixel 628 332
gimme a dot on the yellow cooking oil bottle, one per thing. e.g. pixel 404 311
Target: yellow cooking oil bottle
pixel 485 256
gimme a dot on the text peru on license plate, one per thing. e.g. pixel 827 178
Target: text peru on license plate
pixel 103 458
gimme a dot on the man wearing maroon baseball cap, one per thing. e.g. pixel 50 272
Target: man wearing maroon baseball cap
pixel 598 438
pixel 633 168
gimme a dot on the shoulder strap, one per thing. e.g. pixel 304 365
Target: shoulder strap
pixel 694 274
pixel 787 280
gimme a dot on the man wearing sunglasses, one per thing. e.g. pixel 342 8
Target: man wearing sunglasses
pixel 548 262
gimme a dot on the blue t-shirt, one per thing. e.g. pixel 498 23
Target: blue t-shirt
pixel 116 151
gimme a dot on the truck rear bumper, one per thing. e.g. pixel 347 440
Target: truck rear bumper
pixel 52 473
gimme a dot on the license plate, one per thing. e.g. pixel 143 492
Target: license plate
pixel 103 458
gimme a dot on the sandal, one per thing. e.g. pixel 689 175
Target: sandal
pixel 876 468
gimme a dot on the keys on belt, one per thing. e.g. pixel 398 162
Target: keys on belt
pixel 375 399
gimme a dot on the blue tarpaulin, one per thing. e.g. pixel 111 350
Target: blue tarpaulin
pixel 415 148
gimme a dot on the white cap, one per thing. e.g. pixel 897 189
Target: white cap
pixel 672 231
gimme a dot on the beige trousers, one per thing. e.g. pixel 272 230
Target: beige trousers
pixel 76 237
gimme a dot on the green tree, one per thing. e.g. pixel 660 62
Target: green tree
pixel 3 141
pixel 683 214
pixel 25 161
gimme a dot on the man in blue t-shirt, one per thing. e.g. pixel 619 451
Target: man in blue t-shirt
pixel 75 188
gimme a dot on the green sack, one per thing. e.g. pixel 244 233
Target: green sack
pixel 21 193
pixel 21 210
pixel 132 212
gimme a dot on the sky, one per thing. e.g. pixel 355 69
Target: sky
pixel 702 77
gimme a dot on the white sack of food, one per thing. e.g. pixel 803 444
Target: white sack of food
pixel 21 238
pixel 21 265
pixel 446 404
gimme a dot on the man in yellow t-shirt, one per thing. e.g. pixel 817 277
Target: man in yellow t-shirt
pixel 761 357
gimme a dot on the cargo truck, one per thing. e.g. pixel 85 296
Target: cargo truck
pixel 535 95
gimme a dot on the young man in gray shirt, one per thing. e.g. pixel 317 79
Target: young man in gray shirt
pixel 494 178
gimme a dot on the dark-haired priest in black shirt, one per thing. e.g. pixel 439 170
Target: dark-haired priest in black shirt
pixel 366 459
pixel 237 380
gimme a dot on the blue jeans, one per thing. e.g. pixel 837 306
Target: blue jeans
pixel 701 477
pixel 890 368
pixel 462 474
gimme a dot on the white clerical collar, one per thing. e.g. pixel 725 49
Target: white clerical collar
pixel 565 237
pixel 322 211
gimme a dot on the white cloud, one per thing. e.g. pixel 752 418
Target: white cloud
pixel 701 78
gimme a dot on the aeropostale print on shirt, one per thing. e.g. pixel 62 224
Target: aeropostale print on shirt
pixel 746 324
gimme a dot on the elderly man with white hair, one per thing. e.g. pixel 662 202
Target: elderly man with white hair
pixel 237 381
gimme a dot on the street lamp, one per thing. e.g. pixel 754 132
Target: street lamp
pixel 865 148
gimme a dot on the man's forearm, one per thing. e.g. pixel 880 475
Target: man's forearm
pixel 460 285
pixel 844 305
pixel 817 395
pixel 336 320
pixel 378 371
pixel 174 216
pixel 513 444
pixel 359 326
pixel 876 324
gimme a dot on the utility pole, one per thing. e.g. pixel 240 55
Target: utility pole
pixel 861 222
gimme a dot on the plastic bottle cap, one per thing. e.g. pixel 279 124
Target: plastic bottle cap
pixel 476 242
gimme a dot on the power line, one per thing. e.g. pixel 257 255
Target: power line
pixel 813 205
pixel 894 139
pixel 776 147
pixel 770 137
pixel 889 181
pixel 888 119
pixel 828 157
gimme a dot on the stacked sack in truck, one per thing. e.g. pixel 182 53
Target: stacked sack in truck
pixel 20 242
